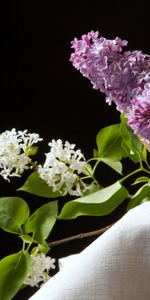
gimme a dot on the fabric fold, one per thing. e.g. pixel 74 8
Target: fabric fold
pixel 116 266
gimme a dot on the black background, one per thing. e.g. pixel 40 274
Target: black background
pixel 43 93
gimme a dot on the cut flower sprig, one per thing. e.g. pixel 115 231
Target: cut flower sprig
pixel 114 144
pixel 124 78
pixel 64 172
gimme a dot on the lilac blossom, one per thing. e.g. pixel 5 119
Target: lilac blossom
pixel 39 269
pixel 62 168
pixel 15 147
pixel 120 75
pixel 139 114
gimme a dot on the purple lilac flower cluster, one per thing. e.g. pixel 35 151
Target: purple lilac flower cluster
pixel 124 76
pixel 139 114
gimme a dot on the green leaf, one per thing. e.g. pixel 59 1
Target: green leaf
pixel 144 154
pixel 117 165
pixel 141 179
pixel 131 143
pixel 41 222
pixel 14 212
pixel 109 143
pixel 110 151
pixel 142 195
pixel 27 239
pixel 100 203
pixel 87 169
pixel 37 186
pixel 93 187
pixel 130 153
pixel 44 247
pixel 13 272
pixel 95 153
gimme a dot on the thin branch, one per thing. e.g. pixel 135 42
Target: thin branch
pixel 80 236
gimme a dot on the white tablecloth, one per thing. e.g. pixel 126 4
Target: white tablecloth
pixel 116 266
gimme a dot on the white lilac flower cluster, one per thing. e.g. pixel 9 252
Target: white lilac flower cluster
pixel 62 167
pixel 14 147
pixel 124 77
pixel 39 269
